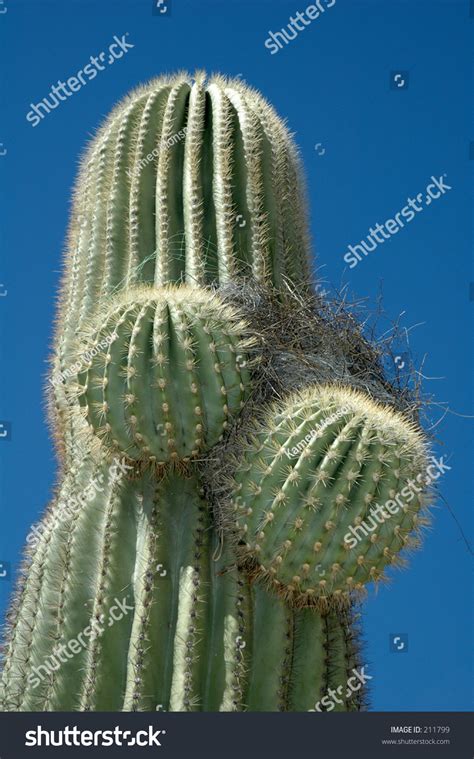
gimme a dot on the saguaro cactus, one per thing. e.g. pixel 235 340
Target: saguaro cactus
pixel 190 559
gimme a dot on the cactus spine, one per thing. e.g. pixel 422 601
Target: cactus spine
pixel 191 186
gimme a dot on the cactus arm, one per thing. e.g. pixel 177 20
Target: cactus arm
pixel 293 512
pixel 172 376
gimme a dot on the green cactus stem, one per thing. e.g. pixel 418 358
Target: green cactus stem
pixel 169 369
pixel 308 485
pixel 191 632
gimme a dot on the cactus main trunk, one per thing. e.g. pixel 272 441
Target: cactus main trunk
pixel 194 634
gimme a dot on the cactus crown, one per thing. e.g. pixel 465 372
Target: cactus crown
pixel 189 180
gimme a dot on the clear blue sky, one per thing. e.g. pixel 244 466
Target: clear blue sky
pixel 377 146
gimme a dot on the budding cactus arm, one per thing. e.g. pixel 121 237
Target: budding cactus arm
pixel 311 476
pixel 171 376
